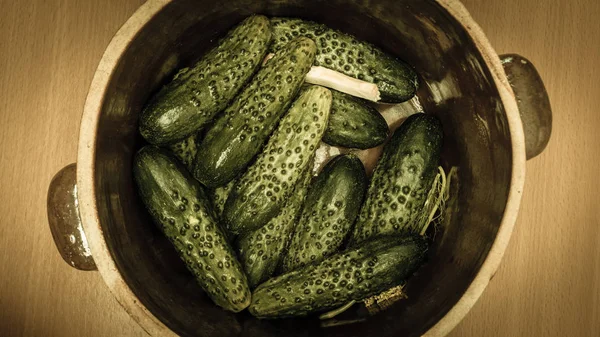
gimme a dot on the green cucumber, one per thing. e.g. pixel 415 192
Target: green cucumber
pixel 181 208
pixel 329 212
pixel 397 82
pixel 242 130
pixel 268 183
pixel 402 180
pixel 220 195
pixel 354 123
pixel 197 94
pixel 352 275
pixel 185 150
pixel 261 251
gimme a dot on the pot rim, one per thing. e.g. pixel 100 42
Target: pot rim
pixel 87 153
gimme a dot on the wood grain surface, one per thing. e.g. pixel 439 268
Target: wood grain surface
pixel 547 285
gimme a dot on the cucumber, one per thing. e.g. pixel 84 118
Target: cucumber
pixel 354 274
pixel 197 94
pixel 219 197
pixel 185 150
pixel 397 81
pixel 268 183
pixel 180 207
pixel 402 180
pixel 353 123
pixel 241 131
pixel 261 251
pixel 329 212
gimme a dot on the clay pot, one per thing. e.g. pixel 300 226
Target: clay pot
pixel 485 102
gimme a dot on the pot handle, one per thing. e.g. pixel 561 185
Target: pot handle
pixel 65 222
pixel 532 100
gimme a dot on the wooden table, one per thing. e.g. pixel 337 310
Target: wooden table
pixel 548 284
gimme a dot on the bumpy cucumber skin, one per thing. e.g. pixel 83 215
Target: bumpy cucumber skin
pixel 179 205
pixel 197 94
pixel 329 212
pixel 402 179
pixel 264 188
pixel 220 195
pixel 396 80
pixel 354 123
pixel 354 274
pixel 261 251
pixel 185 150
pixel 240 132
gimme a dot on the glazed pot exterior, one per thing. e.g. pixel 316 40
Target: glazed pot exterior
pixel 462 81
